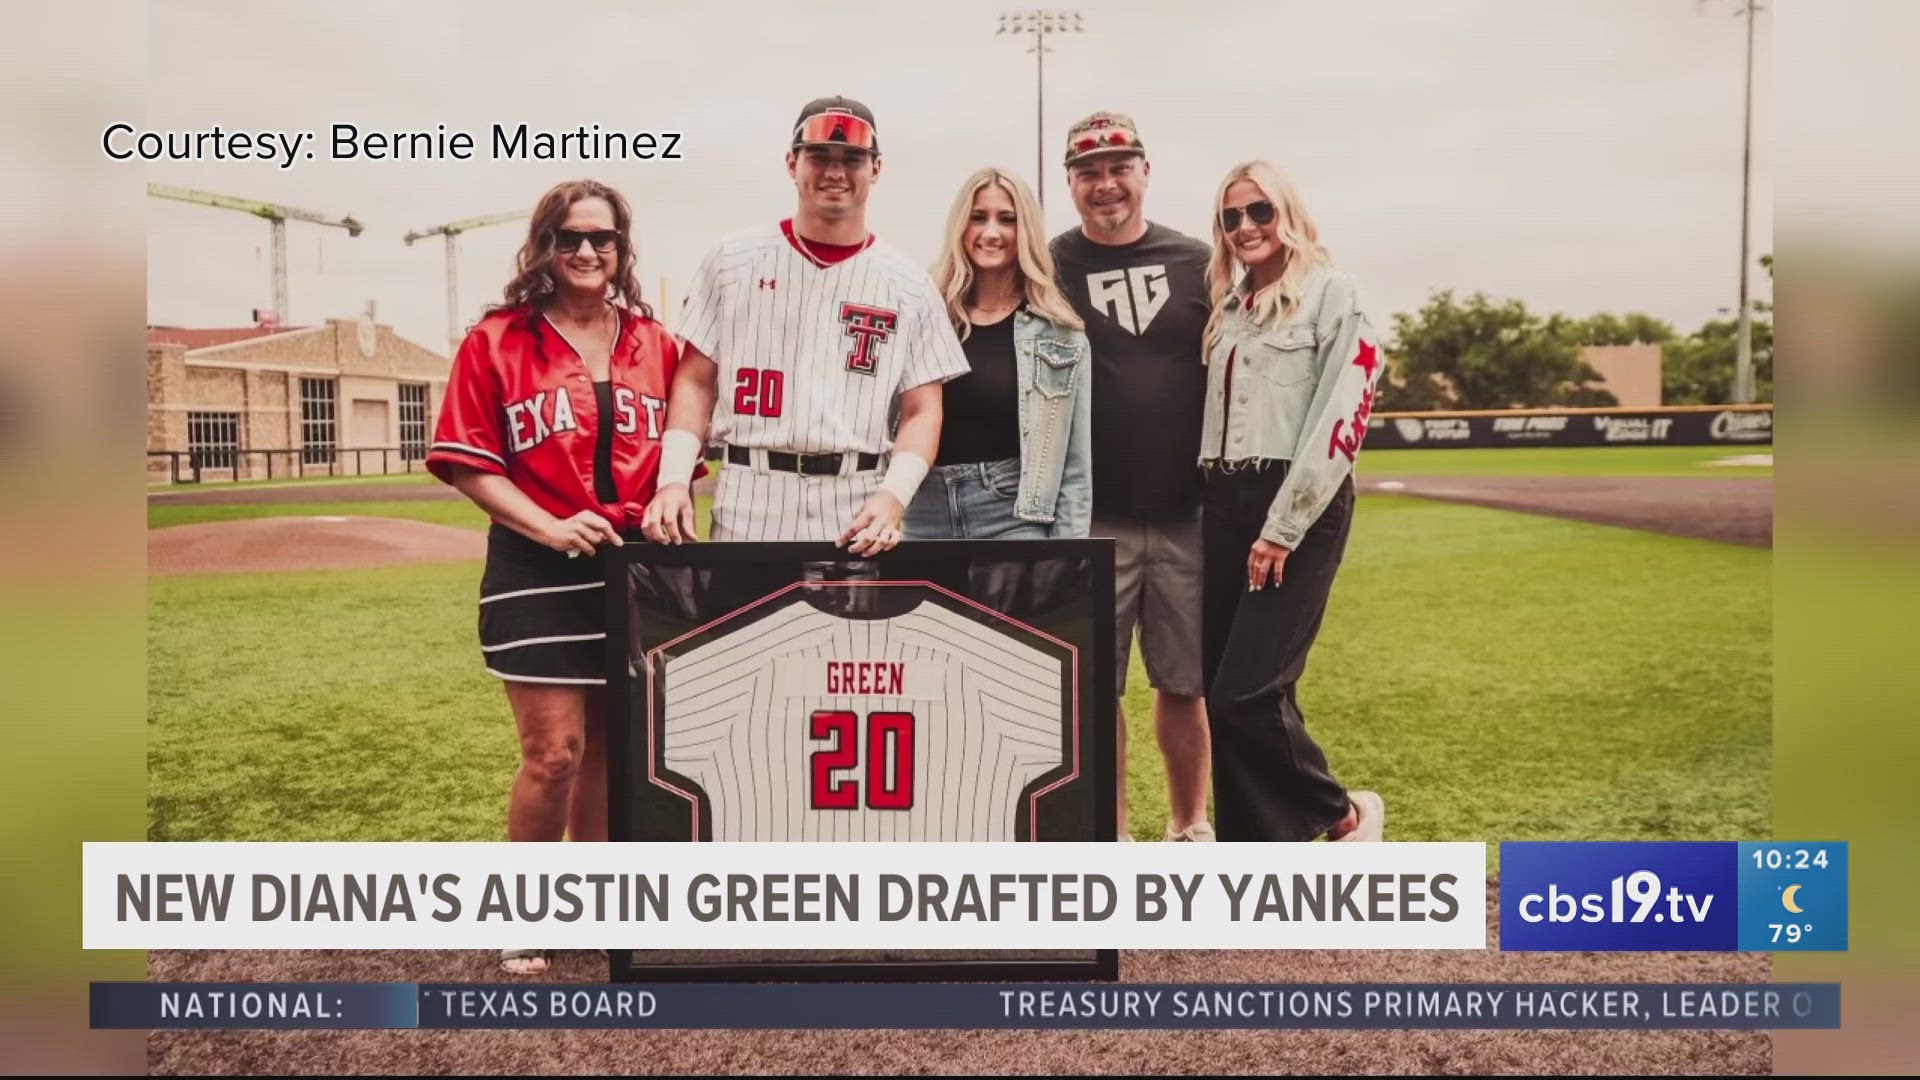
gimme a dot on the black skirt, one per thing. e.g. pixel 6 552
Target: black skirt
pixel 542 615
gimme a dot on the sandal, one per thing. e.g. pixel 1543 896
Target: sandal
pixel 519 961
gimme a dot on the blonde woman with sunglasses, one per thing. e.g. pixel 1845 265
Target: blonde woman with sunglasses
pixel 1292 361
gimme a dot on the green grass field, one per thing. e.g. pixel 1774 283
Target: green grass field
pixel 1494 675
pixel 1563 461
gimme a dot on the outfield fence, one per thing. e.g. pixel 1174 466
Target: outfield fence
pixel 1676 425
pixel 198 466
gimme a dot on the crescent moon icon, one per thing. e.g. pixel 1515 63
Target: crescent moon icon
pixel 1786 899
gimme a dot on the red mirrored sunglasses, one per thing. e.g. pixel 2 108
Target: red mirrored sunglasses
pixel 835 127
pixel 1114 138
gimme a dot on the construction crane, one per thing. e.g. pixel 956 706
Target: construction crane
pixel 452 230
pixel 276 215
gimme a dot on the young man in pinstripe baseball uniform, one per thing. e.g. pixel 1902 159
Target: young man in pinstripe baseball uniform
pixel 801 341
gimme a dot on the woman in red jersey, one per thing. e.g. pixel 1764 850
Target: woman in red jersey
pixel 551 424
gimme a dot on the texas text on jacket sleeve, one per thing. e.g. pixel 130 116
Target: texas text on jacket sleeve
pixel 1350 366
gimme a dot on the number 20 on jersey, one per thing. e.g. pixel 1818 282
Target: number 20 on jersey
pixel 889 772
pixel 758 392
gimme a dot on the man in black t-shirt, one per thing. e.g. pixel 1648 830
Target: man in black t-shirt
pixel 1142 289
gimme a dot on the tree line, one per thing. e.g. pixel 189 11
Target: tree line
pixel 1481 352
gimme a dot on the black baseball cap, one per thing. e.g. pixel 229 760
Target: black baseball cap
pixel 830 120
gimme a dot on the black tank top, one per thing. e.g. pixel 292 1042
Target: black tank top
pixel 982 407
pixel 603 486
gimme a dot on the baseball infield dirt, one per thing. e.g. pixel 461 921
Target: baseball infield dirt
pixel 971 1052
pixel 213 495
pixel 307 543
pixel 1733 509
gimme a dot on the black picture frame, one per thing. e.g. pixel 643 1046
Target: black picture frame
pixel 1097 690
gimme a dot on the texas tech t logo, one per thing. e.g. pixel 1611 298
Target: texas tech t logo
pixel 1130 297
pixel 870 327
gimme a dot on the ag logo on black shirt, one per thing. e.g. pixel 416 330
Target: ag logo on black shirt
pixel 1131 296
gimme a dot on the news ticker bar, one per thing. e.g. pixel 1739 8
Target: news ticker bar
pixel 1368 1006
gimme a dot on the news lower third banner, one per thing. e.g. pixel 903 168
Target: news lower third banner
pixel 1378 1006
pixel 783 896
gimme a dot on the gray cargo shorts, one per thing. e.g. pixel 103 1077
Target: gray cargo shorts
pixel 1156 587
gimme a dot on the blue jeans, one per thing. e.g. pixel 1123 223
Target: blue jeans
pixel 970 502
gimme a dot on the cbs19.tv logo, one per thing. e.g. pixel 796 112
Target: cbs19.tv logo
pixel 1606 896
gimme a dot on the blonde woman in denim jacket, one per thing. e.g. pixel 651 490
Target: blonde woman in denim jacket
pixel 1292 362
pixel 1017 439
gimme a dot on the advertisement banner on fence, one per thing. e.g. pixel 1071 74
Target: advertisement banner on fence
pixel 1578 427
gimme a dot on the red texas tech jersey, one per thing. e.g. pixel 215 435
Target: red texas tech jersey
pixel 520 403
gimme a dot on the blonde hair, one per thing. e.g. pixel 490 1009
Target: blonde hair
pixel 1299 240
pixel 953 273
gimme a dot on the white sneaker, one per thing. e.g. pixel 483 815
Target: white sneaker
pixel 1197 833
pixel 1372 826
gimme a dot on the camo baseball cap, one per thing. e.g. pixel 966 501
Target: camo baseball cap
pixel 1103 133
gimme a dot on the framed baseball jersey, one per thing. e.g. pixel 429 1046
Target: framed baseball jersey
pixel 946 691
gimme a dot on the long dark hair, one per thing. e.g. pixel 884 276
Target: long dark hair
pixel 533 282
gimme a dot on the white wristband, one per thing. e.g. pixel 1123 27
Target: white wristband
pixel 679 453
pixel 904 475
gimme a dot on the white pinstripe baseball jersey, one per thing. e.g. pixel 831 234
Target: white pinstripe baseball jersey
pixel 755 504
pixel 812 355
pixel 800 724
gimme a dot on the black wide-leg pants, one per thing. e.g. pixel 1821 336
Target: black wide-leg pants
pixel 1270 779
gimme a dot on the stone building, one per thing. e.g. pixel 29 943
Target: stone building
pixel 347 397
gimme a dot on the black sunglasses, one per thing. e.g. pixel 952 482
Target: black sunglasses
pixel 1261 212
pixel 567 241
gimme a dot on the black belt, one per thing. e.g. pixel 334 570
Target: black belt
pixel 1249 465
pixel 804 464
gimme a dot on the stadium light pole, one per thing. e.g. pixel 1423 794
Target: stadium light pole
pixel 1743 377
pixel 1743 381
pixel 1040 23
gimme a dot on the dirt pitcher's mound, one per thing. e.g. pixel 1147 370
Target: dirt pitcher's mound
pixel 307 543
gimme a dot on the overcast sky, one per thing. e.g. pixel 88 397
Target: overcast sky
pixel 1582 155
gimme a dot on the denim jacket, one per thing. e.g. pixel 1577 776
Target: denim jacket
pixel 1300 391
pixel 1055 373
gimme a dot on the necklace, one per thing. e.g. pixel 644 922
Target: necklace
pixel 805 250
pixel 605 313
pixel 809 253
pixel 995 312
pixel 595 323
